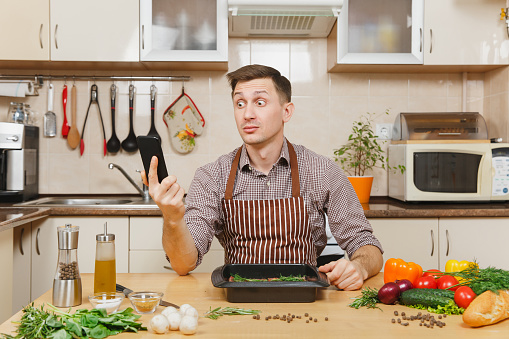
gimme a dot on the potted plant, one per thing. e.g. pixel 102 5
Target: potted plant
pixel 362 153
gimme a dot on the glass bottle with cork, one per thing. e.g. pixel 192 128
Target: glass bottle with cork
pixel 105 271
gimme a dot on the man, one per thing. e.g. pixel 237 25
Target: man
pixel 265 201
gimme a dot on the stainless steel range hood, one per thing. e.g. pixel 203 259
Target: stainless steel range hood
pixel 282 18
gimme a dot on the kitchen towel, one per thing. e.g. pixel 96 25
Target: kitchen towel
pixel 16 88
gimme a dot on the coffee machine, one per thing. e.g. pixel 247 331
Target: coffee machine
pixel 19 162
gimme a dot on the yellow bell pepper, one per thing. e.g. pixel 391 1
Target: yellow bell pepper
pixel 456 266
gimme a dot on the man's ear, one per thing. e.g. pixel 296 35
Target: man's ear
pixel 288 111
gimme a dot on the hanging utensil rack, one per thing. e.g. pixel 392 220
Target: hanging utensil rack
pixel 39 79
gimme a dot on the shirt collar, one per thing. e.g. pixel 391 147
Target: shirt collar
pixel 284 157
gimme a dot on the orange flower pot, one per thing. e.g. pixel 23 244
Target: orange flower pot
pixel 362 186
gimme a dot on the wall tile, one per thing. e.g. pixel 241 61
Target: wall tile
pixel 349 84
pixel 308 67
pixel 427 85
pixel 272 52
pixel 388 84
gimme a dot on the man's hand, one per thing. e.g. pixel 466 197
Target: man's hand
pixel 344 274
pixel 350 275
pixel 168 195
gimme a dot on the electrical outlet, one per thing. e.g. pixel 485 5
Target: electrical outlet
pixel 384 131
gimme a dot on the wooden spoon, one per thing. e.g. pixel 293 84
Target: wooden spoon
pixel 73 138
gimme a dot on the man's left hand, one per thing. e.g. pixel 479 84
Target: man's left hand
pixel 344 274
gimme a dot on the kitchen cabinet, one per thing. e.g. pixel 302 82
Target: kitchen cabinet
pixel 25 30
pixel 189 31
pixel 378 32
pixel 21 270
pixel 146 254
pixel 412 239
pixel 467 32
pixel 482 239
pixel 94 30
pixel 6 267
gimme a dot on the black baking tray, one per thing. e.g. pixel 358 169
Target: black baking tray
pixel 269 291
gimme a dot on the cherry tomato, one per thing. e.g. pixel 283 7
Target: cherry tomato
pixel 426 282
pixel 434 273
pixel 447 281
pixel 464 296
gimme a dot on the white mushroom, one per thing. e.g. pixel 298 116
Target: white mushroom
pixel 159 324
pixel 188 325
pixel 191 312
pixel 174 320
pixel 168 310
pixel 183 308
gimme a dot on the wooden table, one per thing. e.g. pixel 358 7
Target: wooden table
pixel 198 291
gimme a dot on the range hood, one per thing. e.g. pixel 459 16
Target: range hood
pixel 282 18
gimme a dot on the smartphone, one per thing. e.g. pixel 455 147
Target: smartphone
pixel 150 146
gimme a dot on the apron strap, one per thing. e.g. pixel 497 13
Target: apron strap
pixel 294 168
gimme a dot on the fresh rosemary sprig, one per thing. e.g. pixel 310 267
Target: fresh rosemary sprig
pixel 219 312
pixel 368 298
pixel 239 278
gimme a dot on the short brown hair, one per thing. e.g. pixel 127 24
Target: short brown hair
pixel 252 72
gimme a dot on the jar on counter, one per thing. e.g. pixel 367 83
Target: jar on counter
pixel 16 112
pixel 105 268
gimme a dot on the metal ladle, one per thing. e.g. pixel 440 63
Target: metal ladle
pixel 113 145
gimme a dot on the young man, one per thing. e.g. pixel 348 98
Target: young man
pixel 265 201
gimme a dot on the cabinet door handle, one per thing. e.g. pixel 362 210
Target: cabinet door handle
pixel 432 243
pixel 37 241
pixel 447 236
pixel 56 41
pixel 430 41
pixel 142 36
pixel 40 36
pixel 21 242
pixel 420 46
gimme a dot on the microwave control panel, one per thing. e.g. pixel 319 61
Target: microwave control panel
pixel 500 163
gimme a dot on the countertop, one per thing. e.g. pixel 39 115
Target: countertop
pixel 378 207
pixel 197 290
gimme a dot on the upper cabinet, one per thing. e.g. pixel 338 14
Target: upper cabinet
pixel 380 32
pixel 190 31
pixel 94 30
pixel 467 35
pixel 24 30
pixel 467 32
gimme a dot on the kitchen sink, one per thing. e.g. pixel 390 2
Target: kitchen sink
pixel 96 202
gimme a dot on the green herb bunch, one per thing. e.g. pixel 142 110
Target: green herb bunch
pixel 239 278
pixel 368 298
pixel 95 323
pixel 483 279
pixel 363 152
pixel 219 312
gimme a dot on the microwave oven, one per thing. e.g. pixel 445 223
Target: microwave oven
pixel 459 172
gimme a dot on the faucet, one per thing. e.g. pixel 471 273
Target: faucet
pixel 143 192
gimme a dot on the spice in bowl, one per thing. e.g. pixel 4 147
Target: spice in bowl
pixel 145 302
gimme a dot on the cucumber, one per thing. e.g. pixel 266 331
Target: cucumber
pixel 426 297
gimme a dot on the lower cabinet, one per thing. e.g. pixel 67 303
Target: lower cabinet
pixel 431 242
pixel 411 239
pixel 482 239
pixel 6 267
pixel 146 254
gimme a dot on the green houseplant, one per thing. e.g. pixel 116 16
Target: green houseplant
pixel 362 153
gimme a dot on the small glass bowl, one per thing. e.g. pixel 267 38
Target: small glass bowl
pixel 110 301
pixel 145 302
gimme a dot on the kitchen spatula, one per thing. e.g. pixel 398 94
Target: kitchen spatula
pixel 50 118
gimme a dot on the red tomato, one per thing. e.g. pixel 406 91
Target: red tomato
pixel 433 273
pixel 446 281
pixel 464 296
pixel 426 282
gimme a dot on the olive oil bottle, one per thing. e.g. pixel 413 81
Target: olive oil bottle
pixel 105 271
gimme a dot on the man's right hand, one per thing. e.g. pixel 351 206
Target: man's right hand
pixel 168 195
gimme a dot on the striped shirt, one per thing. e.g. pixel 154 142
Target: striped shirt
pixel 323 185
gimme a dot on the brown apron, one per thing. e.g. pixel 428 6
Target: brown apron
pixel 267 231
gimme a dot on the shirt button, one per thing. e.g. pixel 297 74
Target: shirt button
pixel 268 183
pixel 250 168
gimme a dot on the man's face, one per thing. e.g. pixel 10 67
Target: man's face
pixel 259 114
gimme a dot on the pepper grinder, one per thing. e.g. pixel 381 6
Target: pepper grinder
pixel 105 270
pixel 67 282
